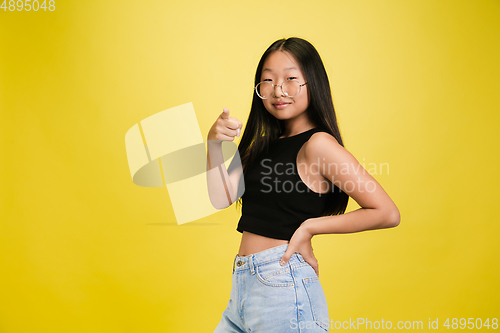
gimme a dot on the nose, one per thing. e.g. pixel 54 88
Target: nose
pixel 280 92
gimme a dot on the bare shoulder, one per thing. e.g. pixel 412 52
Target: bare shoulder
pixel 321 142
pixel 324 147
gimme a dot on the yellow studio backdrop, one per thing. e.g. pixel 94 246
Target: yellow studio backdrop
pixel 83 249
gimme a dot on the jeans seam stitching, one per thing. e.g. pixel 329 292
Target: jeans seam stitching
pixel 261 279
pixel 317 321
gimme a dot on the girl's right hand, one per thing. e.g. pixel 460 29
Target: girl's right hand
pixel 225 128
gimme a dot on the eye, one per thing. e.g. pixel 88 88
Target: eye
pixel 292 78
pixel 267 80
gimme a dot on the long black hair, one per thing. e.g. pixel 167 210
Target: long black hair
pixel 262 127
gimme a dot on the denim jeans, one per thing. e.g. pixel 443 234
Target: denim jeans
pixel 269 298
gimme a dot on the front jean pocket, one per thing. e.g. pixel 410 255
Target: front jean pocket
pixel 274 275
pixel 317 300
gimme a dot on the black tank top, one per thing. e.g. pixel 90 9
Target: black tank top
pixel 276 200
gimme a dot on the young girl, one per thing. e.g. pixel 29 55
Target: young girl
pixel 297 181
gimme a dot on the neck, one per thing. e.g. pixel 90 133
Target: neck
pixel 294 128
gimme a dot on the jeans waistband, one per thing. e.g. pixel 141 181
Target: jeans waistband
pixel 253 260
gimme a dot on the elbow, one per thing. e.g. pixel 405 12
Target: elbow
pixel 222 202
pixel 393 217
pixel 218 204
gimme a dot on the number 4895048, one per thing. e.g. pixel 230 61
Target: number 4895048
pixel 28 5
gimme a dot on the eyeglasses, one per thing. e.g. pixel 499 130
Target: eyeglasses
pixel 290 88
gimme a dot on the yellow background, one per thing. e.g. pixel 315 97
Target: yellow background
pixel 83 249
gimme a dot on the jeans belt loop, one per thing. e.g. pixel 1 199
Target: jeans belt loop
pixel 234 261
pixel 250 263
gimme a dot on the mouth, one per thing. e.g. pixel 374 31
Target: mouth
pixel 281 105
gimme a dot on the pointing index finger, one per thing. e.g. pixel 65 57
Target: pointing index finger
pixel 225 113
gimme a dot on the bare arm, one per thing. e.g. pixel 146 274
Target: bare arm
pixel 223 189
pixel 340 167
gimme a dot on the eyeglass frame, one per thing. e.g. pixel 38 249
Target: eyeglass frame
pixel 279 85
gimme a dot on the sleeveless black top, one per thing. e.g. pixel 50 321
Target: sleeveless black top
pixel 276 200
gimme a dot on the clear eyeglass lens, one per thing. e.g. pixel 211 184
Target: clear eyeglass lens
pixel 265 89
pixel 290 89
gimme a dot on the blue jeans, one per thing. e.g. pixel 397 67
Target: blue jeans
pixel 269 298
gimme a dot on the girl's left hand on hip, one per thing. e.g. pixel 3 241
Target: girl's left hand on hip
pixel 301 243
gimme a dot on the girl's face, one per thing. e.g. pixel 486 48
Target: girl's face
pixel 281 66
